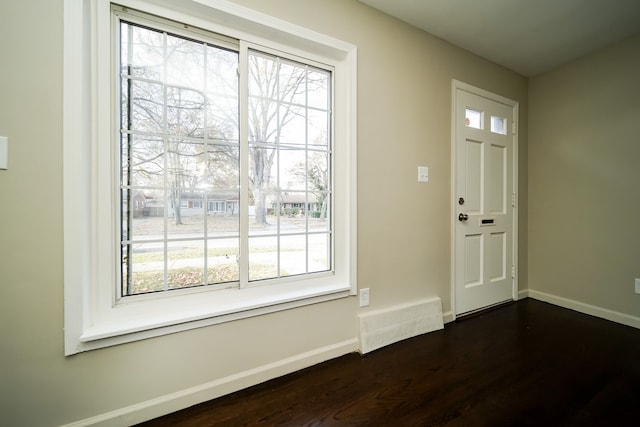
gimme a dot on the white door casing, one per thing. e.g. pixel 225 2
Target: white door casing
pixel 484 183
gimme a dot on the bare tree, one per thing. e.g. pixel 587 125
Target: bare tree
pixel 272 92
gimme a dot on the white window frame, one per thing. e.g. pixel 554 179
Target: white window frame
pixel 94 318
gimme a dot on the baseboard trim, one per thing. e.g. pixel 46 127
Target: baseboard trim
pixel 592 310
pixel 448 317
pixel 172 402
pixel 523 293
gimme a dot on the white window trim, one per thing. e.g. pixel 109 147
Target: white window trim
pixel 93 319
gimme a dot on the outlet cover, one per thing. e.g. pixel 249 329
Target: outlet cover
pixel 364 297
pixel 4 152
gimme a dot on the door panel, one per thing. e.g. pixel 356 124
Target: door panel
pixel 483 246
pixel 473 256
pixel 497 261
pixel 473 176
pixel 497 179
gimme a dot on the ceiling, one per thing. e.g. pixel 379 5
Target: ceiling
pixel 526 36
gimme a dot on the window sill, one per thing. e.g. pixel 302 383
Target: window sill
pixel 146 319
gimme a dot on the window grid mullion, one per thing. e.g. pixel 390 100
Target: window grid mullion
pixel 306 167
pixel 243 76
pixel 165 138
pixel 205 200
pixel 278 160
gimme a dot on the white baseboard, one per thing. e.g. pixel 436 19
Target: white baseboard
pixel 387 326
pixel 523 293
pixel 169 403
pixel 448 317
pixel 592 310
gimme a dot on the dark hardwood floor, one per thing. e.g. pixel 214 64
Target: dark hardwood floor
pixel 523 364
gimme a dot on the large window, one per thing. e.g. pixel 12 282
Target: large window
pixel 215 172
pixel 180 148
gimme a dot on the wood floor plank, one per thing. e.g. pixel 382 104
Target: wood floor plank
pixel 524 364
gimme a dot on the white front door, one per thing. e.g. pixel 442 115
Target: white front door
pixel 484 199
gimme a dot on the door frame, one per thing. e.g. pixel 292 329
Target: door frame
pixel 459 85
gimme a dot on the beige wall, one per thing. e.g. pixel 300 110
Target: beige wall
pixel 584 179
pixel 404 97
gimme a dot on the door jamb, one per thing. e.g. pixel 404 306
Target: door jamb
pixel 455 85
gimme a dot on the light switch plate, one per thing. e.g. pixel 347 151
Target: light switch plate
pixel 4 152
pixel 423 174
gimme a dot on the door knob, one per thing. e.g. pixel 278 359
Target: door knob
pixel 463 217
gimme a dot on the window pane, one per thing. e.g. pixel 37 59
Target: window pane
pixel 180 52
pixel 263 258
pixel 142 161
pixel 221 87
pixel 291 79
pixel 318 129
pixel 186 213
pixel 185 264
pixel 499 125
pixel 473 118
pixel 262 179
pixel 223 219
pixel 221 72
pixel 143 268
pixel 292 128
pixel 145 220
pixel 318 181
pixel 221 167
pixel 145 107
pixel 320 212
pixel 318 89
pixel 319 252
pixel 185 112
pixel 222 260
pixel 293 255
pixel 220 125
pixel 293 212
pixel 291 173
pixel 289 163
pixel 142 52
pixel 263 99
pixel 180 162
